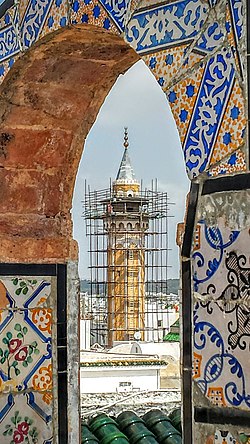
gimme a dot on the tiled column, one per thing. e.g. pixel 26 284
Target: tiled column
pixel 221 312
pixel 39 356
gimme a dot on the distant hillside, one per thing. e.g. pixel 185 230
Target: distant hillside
pixel 172 286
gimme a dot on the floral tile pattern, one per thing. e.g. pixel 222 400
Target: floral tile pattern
pixel 220 263
pixel 156 28
pixel 26 392
pixel 25 347
pixel 24 292
pixel 25 418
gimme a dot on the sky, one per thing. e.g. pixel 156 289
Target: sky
pixel 136 101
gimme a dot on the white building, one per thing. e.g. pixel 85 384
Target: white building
pixel 111 373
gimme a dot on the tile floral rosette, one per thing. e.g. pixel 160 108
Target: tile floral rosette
pixel 25 418
pixel 25 344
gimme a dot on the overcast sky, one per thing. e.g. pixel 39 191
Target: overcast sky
pixel 136 101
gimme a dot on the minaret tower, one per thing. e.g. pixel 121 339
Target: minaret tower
pixel 126 222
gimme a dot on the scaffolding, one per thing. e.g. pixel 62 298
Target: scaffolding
pixel 128 263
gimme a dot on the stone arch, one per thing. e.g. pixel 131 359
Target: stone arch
pixel 49 102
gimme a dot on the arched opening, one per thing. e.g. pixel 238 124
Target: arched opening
pixel 44 122
pixel 155 156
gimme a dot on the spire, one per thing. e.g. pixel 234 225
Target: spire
pixel 126 172
pixel 126 144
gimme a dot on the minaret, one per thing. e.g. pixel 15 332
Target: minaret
pixel 126 222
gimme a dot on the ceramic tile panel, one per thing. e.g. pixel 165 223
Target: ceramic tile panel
pixel 213 35
pixel 93 13
pixel 235 163
pixel 233 127
pixel 8 42
pixel 22 5
pixel 56 17
pixel 24 292
pixel 25 418
pixel 166 25
pixel 211 103
pixel 25 347
pixel 221 437
pixel 182 99
pixel 220 264
pixel 168 64
pixel 238 23
pixel 34 20
pixel 6 66
pixel 221 279
pixel 146 3
pixel 236 8
pixel 232 41
pixel 225 437
pixel 221 344
pixel 118 11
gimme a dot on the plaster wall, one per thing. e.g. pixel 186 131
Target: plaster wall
pixel 107 380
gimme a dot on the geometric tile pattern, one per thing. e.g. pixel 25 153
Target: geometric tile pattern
pixel 232 130
pixel 166 65
pixel 26 398
pixel 233 164
pixel 92 13
pixel 194 48
pixel 182 98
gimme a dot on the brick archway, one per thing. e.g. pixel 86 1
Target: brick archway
pixel 49 101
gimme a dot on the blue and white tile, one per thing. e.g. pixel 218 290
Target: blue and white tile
pixel 165 25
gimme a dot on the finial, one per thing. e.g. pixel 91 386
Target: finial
pixel 126 144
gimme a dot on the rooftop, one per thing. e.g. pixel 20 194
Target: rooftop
pixel 101 359
pixel 154 427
